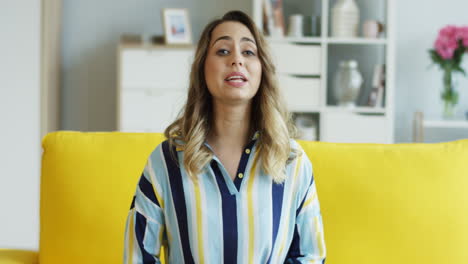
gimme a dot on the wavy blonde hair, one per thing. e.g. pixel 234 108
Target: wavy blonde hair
pixel 269 114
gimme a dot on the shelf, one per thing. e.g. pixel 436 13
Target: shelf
pixel 357 109
pixel 305 110
pixel 305 40
pixel 357 41
pixel 446 123
pixel 319 40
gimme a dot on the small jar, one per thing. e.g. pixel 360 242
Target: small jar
pixel 347 83
pixel 296 22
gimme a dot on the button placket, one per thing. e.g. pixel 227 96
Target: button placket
pixel 241 173
pixel 223 176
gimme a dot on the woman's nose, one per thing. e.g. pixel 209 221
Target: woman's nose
pixel 237 59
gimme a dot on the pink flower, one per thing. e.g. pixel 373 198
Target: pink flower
pixel 447 41
pixel 445 47
pixel 463 35
pixel 449 31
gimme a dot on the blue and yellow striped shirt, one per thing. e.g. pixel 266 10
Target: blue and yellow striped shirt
pixel 219 220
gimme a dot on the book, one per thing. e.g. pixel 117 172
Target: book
pixel 279 29
pixel 376 95
pixel 268 19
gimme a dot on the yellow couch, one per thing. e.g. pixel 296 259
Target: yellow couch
pixel 381 204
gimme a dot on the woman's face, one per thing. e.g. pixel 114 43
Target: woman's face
pixel 232 67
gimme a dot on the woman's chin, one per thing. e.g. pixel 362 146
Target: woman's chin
pixel 235 99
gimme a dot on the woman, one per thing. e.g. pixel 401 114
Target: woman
pixel 229 185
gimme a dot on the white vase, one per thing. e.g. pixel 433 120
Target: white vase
pixel 347 84
pixel 345 19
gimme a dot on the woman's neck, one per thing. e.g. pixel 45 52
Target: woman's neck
pixel 231 125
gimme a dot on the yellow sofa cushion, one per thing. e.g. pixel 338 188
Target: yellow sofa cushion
pixel 402 203
pixel 387 204
pixel 15 256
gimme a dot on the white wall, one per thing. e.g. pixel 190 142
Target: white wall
pixel 418 87
pixel 19 123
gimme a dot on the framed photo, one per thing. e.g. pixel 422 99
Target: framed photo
pixel 177 28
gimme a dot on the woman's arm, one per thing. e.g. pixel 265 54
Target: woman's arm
pixel 308 244
pixel 145 223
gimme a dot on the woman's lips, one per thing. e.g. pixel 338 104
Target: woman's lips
pixel 236 83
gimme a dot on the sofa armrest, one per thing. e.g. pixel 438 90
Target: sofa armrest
pixel 16 256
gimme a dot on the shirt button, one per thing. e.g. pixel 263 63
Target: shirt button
pixel 247 151
pixel 240 175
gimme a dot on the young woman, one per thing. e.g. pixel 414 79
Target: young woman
pixel 229 185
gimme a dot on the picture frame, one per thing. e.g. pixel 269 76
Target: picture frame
pixel 177 28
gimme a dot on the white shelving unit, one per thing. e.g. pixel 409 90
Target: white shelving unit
pixel 307 89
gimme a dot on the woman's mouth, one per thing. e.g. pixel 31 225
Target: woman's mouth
pixel 236 79
pixel 236 82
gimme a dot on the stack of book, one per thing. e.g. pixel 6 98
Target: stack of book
pixel 273 18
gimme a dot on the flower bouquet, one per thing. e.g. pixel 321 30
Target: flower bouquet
pixel 448 51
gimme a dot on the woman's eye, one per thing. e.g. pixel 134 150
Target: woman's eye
pixel 222 52
pixel 249 53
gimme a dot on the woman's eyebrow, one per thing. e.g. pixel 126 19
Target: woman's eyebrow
pixel 229 38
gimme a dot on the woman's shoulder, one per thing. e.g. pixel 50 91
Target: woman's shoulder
pixel 296 148
pixel 157 164
pixel 298 153
pixel 163 150
pixel 294 144
pixel 303 163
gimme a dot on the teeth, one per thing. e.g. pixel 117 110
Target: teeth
pixel 235 78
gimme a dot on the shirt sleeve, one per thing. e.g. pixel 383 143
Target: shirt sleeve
pixel 308 244
pixel 144 231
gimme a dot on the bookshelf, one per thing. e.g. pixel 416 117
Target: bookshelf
pixel 307 65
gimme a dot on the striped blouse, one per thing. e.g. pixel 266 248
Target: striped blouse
pixel 216 219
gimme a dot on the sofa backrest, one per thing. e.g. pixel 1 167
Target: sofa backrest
pixel 396 203
pixel 401 203
pixel 87 184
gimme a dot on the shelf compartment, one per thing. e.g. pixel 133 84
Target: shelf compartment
pixel 300 93
pixel 366 56
pixel 368 10
pixel 297 59
pixel 358 128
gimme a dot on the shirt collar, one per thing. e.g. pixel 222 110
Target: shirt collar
pixel 255 136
